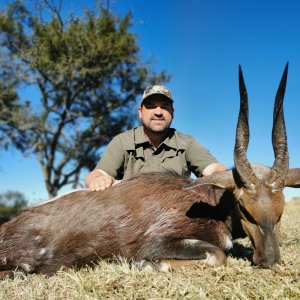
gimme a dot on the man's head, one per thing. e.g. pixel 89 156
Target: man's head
pixel 156 109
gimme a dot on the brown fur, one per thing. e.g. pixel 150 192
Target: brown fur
pixel 146 217
pixel 151 217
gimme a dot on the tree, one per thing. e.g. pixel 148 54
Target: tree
pixel 88 74
pixel 10 110
pixel 11 204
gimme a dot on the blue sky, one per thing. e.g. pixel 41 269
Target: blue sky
pixel 201 43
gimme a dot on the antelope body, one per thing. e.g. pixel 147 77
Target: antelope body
pixel 159 219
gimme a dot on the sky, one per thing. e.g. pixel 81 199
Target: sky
pixel 201 44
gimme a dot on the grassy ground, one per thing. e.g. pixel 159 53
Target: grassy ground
pixel 237 280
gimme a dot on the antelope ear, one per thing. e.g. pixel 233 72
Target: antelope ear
pixel 223 179
pixel 209 189
pixel 208 194
pixel 293 178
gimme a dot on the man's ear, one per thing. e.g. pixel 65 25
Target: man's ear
pixel 140 112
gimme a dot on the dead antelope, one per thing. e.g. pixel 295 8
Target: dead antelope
pixel 161 220
pixel 257 189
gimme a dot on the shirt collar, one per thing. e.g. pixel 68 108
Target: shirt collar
pixel 140 137
pixel 169 141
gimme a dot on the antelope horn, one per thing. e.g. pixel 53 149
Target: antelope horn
pixel 279 139
pixel 241 162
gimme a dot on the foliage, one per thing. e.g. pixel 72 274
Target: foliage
pixel 237 280
pixel 86 74
pixel 11 204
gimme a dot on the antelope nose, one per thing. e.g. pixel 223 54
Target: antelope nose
pixel 268 262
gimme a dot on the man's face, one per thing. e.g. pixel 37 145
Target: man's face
pixel 156 113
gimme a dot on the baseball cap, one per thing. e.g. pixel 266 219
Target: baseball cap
pixel 157 90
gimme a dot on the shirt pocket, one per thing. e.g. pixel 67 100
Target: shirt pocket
pixel 176 163
pixel 133 164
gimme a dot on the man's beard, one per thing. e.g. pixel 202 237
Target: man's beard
pixel 157 129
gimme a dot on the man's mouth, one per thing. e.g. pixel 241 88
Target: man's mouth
pixel 155 119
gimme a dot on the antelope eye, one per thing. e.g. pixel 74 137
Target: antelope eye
pixel 246 215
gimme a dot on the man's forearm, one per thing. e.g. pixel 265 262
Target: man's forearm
pixel 212 168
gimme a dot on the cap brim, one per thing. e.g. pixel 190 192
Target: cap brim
pixel 145 98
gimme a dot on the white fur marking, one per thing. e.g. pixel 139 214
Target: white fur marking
pixel 211 260
pixel 148 266
pixel 190 242
pixel 228 243
pixel 42 251
pixel 240 193
pixel 262 232
pixel 3 260
pixel 27 267
pixel 163 267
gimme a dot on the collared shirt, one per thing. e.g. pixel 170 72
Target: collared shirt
pixel 131 152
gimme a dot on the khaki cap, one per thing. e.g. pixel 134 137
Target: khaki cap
pixel 157 90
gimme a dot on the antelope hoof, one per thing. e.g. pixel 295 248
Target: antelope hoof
pixel 152 266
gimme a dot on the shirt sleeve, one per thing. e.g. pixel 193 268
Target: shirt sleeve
pixel 198 158
pixel 112 160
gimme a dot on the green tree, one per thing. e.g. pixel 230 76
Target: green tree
pixel 87 74
pixel 11 204
pixel 10 110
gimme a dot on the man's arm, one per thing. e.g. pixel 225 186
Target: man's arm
pixel 103 176
pixel 212 168
pixel 98 180
pixel 202 162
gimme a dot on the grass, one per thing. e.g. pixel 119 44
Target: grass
pixel 237 280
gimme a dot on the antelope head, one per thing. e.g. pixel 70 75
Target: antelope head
pixel 258 190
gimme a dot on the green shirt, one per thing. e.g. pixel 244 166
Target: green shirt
pixel 131 152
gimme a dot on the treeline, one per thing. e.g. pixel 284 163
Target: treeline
pixel 11 204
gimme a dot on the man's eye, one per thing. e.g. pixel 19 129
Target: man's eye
pixel 149 106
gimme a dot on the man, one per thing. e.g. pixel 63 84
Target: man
pixel 152 147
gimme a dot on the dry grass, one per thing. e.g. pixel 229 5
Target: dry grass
pixel 237 280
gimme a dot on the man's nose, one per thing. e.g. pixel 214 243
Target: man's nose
pixel 158 110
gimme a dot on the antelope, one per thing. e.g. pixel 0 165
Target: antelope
pixel 161 221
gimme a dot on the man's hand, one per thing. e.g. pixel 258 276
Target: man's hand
pixel 212 168
pixel 98 180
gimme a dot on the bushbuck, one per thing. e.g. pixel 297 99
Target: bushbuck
pixel 161 221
